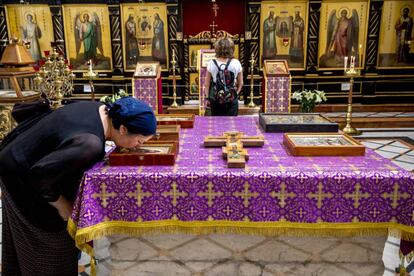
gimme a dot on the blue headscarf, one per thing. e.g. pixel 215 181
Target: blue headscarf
pixel 134 114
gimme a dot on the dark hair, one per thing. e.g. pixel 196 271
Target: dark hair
pixel 224 47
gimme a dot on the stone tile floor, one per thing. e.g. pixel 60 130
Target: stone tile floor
pixel 230 254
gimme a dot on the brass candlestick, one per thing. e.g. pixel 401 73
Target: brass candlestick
pixel 173 62
pixel 252 62
pixel 352 72
pixel 90 74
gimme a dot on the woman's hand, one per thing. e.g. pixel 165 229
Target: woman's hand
pixel 64 207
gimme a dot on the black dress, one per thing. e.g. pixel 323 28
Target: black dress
pixel 44 162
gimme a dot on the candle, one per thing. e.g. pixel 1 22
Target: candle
pixel 360 56
pixel 90 65
pixel 352 66
pixel 345 63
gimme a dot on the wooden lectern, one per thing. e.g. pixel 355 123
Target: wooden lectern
pixel 276 86
pixel 146 84
pixel 204 56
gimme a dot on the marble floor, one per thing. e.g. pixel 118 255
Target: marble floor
pixel 220 254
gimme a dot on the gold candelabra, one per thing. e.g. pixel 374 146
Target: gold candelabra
pixel 351 72
pixel 174 62
pixel 91 75
pixel 54 78
pixel 252 62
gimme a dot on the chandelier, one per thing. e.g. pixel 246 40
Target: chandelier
pixel 54 77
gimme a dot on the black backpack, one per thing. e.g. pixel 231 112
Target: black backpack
pixel 224 87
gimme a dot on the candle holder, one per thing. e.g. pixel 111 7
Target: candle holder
pixel 54 78
pixel 351 73
pixel 174 62
pixel 91 75
pixel 252 62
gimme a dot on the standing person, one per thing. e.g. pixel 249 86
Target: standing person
pixel 132 51
pixel 158 42
pixel 32 34
pixel 296 40
pixel 225 60
pixel 404 28
pixel 269 37
pixel 88 34
pixel 40 171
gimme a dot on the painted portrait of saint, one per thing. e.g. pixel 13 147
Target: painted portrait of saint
pixel 396 35
pixel 343 32
pixel 283 32
pixel 88 33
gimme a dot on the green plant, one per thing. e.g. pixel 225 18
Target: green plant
pixel 309 99
pixel 111 99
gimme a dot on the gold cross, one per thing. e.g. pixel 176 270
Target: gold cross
pixel 245 194
pixel 281 98
pixel 339 178
pixel 338 212
pixel 210 194
pixel 273 98
pixel 302 177
pixel 228 177
pixel 281 89
pixel 265 177
pixel 215 9
pixel 138 194
pixel 103 195
pixel 89 214
pixel 300 213
pixel 228 210
pixel 377 178
pixel 157 210
pixel 282 80
pixel 192 177
pixel 149 97
pixel 174 193
pixel 375 212
pixel 120 177
pixel 356 196
pixel 282 195
pixel 122 210
pixel 282 108
pixel 264 211
pixel 191 211
pixel 395 196
pixel 320 195
pixel 156 177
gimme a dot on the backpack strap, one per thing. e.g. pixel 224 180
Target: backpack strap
pixel 228 63
pixel 215 62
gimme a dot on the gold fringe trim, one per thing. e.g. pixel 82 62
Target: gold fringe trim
pixel 84 235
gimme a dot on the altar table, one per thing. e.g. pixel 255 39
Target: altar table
pixel 275 193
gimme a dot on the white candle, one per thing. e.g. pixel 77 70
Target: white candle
pixel 345 63
pixel 352 62
pixel 360 56
pixel 90 65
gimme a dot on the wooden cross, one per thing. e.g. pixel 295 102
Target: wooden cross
pixel 233 150
pixel 395 196
pixel 175 194
pixel 103 195
pixel 210 194
pixel 246 195
pixel 320 195
pixel 282 195
pixel 247 141
pixel 139 194
pixel 357 195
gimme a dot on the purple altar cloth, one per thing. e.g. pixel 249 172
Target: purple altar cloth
pixel 275 190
